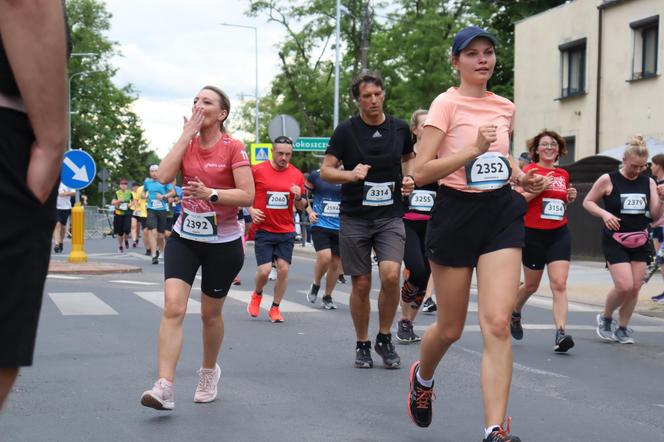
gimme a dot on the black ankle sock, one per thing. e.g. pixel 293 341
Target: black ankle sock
pixel 260 293
pixel 274 304
pixel 363 344
pixel 327 297
pixel 516 314
pixel 382 337
pixel 623 328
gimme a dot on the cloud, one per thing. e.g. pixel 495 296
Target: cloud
pixel 170 48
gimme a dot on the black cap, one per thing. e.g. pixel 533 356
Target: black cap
pixel 467 35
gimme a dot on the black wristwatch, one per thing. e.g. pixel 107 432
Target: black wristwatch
pixel 214 196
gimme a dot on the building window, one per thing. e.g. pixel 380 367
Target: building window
pixel 646 36
pixel 573 73
pixel 570 142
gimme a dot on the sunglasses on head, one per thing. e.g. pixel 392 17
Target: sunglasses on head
pixel 283 140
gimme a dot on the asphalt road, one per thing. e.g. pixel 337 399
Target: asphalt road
pixel 96 354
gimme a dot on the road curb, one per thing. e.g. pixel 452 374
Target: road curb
pixel 89 268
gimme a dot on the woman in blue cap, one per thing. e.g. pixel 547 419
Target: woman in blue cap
pixel 476 222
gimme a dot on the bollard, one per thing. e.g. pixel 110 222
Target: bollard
pixel 77 234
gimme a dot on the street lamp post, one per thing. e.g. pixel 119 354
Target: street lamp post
pixel 336 67
pixel 256 48
pixel 69 104
pixel 74 54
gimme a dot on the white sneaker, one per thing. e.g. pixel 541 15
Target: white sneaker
pixel 273 274
pixel 208 378
pixel 160 397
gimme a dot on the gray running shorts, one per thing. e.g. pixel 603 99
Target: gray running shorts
pixel 358 236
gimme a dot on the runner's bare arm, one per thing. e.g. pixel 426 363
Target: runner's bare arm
pixel 38 61
pixel 243 194
pixel 655 205
pixel 601 188
pixel 427 168
pixel 331 173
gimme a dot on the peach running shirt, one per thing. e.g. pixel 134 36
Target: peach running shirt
pixel 459 118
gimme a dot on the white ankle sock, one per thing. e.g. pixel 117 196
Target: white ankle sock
pixel 488 430
pixel 423 382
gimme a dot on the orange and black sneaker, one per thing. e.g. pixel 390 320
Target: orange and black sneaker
pixel 275 314
pixel 419 399
pixel 498 434
pixel 254 306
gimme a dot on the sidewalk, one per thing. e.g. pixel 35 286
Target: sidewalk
pixel 589 282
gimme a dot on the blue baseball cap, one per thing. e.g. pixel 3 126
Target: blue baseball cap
pixel 465 36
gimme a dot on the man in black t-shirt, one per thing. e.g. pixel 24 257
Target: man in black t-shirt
pixel 374 149
pixel 33 131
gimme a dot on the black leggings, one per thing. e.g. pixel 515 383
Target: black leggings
pixel 219 262
pixel 414 256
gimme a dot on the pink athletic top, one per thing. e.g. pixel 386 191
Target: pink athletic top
pixel 214 167
pixel 459 117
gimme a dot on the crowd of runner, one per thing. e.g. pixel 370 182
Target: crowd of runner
pixel 440 194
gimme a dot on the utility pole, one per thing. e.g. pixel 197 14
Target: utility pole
pixel 365 33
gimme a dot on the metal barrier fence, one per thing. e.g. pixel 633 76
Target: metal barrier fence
pixel 98 222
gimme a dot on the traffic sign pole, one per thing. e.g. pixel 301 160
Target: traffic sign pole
pixel 78 172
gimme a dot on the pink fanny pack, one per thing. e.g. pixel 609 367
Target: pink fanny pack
pixel 631 240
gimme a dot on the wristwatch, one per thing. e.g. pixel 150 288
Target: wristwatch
pixel 214 196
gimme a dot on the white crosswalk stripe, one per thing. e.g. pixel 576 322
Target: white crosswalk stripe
pixel 80 303
pixel 340 298
pixel 130 282
pixel 157 298
pixel 551 327
pixel 285 306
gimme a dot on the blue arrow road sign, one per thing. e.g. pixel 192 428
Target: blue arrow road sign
pixel 78 169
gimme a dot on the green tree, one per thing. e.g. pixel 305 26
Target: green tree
pixel 410 47
pixel 499 17
pixel 102 121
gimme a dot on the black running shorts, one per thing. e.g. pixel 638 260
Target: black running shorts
pixel 544 246
pixel 220 263
pixel 325 239
pixel 466 225
pixel 25 241
pixel 157 219
pixel 122 224
pixel 614 253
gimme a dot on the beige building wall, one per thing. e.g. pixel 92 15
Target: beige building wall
pixel 629 107
pixel 626 107
pixel 537 75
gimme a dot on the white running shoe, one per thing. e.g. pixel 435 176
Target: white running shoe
pixel 160 397
pixel 208 378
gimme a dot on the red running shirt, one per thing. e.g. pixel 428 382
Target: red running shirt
pixel 214 167
pixel 274 198
pixel 548 210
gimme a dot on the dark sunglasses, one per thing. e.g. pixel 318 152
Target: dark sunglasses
pixel 283 140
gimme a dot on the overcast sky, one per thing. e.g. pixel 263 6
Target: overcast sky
pixel 170 48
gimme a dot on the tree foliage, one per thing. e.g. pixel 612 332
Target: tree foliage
pixel 102 120
pixel 408 42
